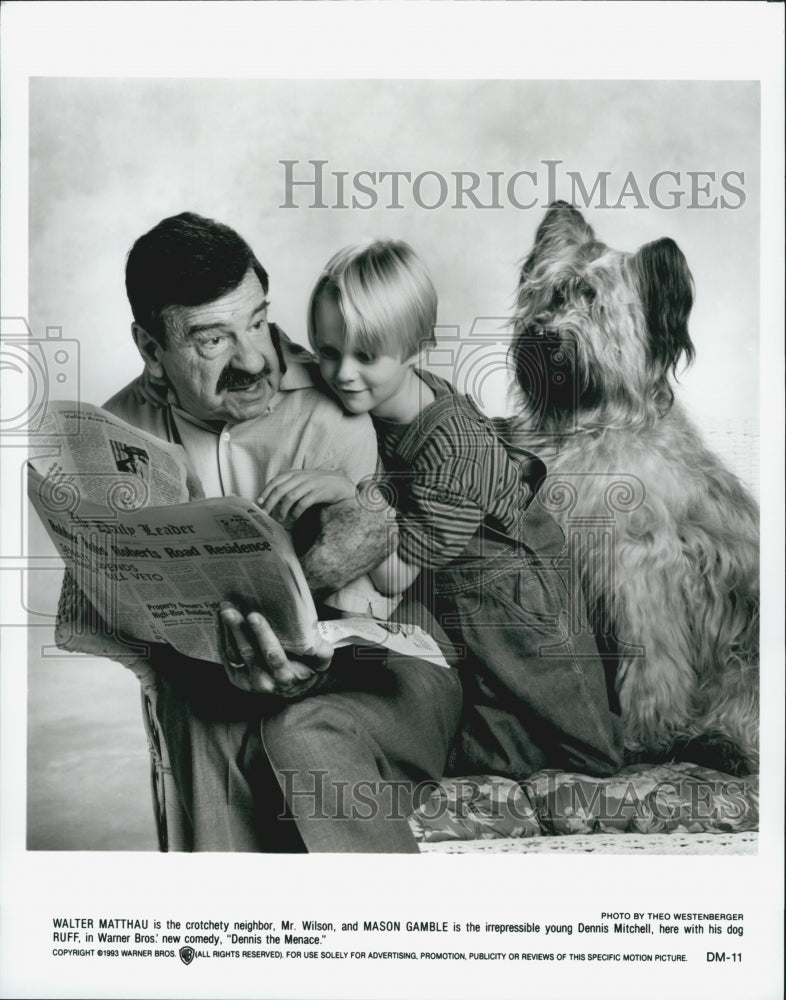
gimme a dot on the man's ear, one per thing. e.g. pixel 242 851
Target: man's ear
pixel 150 349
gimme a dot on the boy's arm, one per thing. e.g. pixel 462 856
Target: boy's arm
pixel 364 538
pixel 443 499
pixel 394 575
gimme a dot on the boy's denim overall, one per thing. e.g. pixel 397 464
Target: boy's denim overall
pixel 535 692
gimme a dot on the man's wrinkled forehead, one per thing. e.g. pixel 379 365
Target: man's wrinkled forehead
pixel 240 306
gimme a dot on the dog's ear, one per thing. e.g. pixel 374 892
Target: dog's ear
pixel 666 286
pixel 564 222
pixel 563 226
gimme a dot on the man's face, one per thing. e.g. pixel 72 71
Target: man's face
pixel 219 357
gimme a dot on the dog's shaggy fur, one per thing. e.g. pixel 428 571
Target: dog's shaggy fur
pixel 673 590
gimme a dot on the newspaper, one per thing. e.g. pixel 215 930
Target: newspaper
pixel 155 560
pixel 399 637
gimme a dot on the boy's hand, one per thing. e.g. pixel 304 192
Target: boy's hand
pixel 255 661
pixel 290 494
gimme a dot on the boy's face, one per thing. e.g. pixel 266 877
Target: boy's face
pixel 363 383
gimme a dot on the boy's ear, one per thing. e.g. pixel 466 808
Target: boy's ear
pixel 150 350
pixel 421 354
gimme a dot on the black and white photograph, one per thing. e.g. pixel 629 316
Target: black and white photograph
pixel 392 465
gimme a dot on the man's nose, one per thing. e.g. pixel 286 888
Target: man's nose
pixel 248 356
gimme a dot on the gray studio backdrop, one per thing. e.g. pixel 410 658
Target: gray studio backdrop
pixel 109 158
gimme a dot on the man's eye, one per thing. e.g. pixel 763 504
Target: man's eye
pixel 210 345
pixel 365 359
pixel 261 319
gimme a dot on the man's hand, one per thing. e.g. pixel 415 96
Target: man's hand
pixel 255 661
pixel 290 494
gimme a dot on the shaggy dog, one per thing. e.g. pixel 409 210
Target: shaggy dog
pixel 663 539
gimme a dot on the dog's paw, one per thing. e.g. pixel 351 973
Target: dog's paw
pixel 714 751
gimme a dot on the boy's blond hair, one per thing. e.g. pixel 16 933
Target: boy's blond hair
pixel 385 295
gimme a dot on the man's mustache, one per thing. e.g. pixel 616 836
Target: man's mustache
pixel 233 378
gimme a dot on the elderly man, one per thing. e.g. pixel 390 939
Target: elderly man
pixel 349 741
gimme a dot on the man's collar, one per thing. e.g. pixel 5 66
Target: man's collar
pixel 298 367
